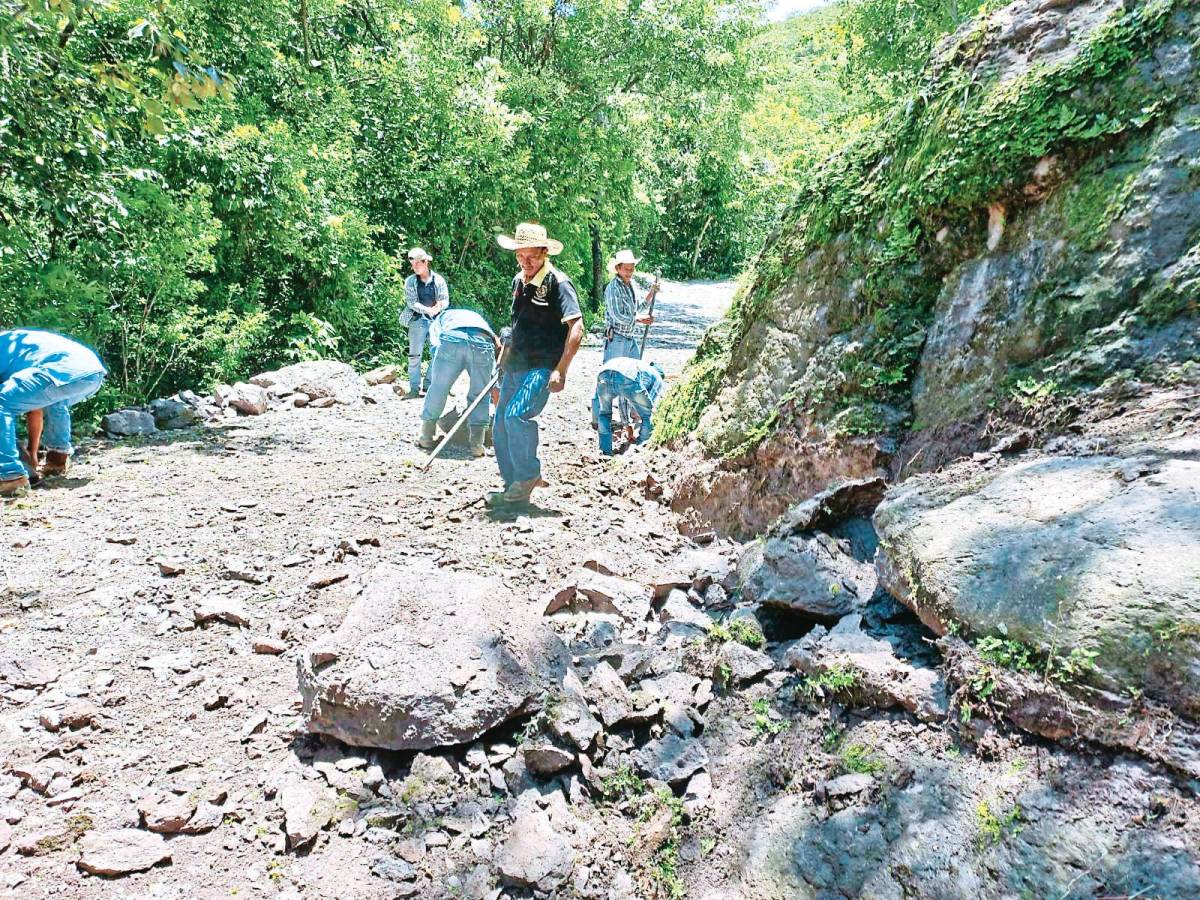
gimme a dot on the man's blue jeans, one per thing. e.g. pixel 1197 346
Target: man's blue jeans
pixel 418 336
pixel 453 357
pixel 611 386
pixel 515 435
pixel 31 389
pixel 616 346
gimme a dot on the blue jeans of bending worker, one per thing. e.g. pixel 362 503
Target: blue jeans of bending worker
pixel 418 336
pixel 453 357
pixel 31 389
pixel 611 386
pixel 620 345
pixel 515 434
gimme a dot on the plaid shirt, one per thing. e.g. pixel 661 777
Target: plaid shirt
pixel 622 305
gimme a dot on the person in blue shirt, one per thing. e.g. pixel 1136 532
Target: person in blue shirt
pixel 42 374
pixel 629 379
pixel 463 341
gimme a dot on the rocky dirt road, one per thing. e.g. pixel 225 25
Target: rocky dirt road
pixel 112 694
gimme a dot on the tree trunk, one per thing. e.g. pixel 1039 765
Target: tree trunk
pixel 699 241
pixel 597 267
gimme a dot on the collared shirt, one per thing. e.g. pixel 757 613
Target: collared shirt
pixel 542 310
pixel 421 296
pixel 63 359
pixel 623 303
pixel 461 325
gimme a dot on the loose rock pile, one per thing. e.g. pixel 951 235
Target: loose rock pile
pixel 319 384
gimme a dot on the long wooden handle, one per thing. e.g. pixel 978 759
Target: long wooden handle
pixel 457 425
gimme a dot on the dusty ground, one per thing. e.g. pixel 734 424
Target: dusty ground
pixel 276 495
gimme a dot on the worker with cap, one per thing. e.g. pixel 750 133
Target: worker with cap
pixel 425 297
pixel 547 328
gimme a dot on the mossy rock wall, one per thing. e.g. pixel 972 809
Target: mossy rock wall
pixel 1030 222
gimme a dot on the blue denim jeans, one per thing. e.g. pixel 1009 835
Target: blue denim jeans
pixel 612 386
pixel 619 345
pixel 515 435
pixel 453 357
pixel 418 336
pixel 32 389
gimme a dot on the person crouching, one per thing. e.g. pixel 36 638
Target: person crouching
pixel 463 341
pixel 41 372
pixel 638 383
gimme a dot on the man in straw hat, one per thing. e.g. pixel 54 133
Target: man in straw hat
pixel 626 313
pixel 425 297
pixel 547 326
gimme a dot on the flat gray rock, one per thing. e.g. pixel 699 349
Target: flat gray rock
pixel 1091 553
pixel 672 759
pixel 427 658
pixel 126 422
pixel 121 851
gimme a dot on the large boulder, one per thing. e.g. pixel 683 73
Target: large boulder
pixel 808 574
pixel 319 379
pixel 427 658
pixel 1088 555
pixel 171 412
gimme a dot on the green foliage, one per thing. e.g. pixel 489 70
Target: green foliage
pixel 622 784
pixel 1008 653
pixel 763 724
pixel 994 828
pixel 856 758
pixel 834 681
pixel 744 631
pixel 202 207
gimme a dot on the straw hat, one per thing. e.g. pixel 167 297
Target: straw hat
pixel 622 258
pixel 419 253
pixel 530 234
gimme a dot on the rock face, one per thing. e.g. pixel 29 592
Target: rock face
pixel 415 667
pixel 1041 266
pixel 126 422
pixel 318 379
pixel 121 851
pixel 1095 554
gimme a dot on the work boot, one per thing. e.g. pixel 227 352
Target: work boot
pixel 498 498
pixel 478 433
pixel 521 491
pixel 56 463
pixel 428 438
pixel 14 487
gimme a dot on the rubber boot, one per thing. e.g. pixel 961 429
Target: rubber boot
pixel 478 433
pixel 428 438
pixel 56 463
pixel 14 487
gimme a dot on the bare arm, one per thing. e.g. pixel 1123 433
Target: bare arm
pixel 558 378
pixel 33 422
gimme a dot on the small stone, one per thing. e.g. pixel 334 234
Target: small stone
pixel 847 785
pixel 223 609
pixel 547 760
pixel 325 577
pixel 307 808
pixel 171 566
pixel 233 569
pixel 126 422
pixel 535 855
pixel 268 646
